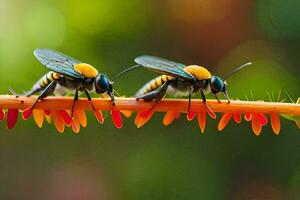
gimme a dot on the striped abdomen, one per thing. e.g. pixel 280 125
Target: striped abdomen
pixel 44 82
pixel 154 84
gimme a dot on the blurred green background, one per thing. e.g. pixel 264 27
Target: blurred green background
pixel 154 162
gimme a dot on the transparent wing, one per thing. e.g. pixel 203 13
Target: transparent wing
pixel 58 62
pixel 164 66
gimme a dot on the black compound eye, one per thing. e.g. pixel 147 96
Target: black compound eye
pixel 102 84
pixel 217 84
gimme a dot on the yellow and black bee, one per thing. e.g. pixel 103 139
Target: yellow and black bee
pixel 68 73
pixel 179 80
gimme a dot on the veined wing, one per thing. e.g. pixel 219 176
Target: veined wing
pixel 164 66
pixel 58 62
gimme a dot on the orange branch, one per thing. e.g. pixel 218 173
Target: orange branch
pixel 179 105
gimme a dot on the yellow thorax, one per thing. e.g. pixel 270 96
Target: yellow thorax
pixel 87 70
pixel 200 73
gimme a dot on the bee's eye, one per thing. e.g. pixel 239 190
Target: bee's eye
pixel 102 83
pixel 217 84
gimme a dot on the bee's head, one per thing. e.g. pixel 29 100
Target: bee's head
pixel 217 85
pixel 103 85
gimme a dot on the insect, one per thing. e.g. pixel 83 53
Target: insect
pixel 178 79
pixel 68 73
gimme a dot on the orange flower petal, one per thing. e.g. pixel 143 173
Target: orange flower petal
pixel 202 121
pixel 262 118
pixel 237 117
pixel 99 116
pixel 256 124
pixel 117 118
pixel 248 117
pixel 275 123
pixel 143 117
pixel 27 113
pixel 126 113
pixel 2 114
pixel 80 115
pixel 58 121
pixel 75 125
pixel 12 118
pixel 210 112
pixel 169 117
pixel 38 116
pixel 224 121
pixel 191 115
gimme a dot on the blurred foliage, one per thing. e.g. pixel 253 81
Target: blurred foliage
pixel 154 162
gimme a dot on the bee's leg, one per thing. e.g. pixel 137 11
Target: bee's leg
pixel 89 98
pixel 227 97
pixel 203 96
pixel 190 97
pixel 155 95
pixel 45 92
pixel 217 98
pixel 74 101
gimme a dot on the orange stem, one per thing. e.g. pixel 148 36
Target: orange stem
pixel 179 105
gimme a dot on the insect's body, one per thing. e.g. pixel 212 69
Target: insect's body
pixel 179 87
pixel 68 73
pixel 63 83
pixel 177 79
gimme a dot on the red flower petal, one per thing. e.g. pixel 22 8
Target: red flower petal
pixel 210 112
pixel 47 112
pixel 248 117
pixel 58 121
pixel 117 118
pixel 202 121
pixel 1 114
pixel 224 121
pixel 191 115
pixel 12 118
pixel 27 113
pixel 256 124
pixel 169 117
pixel 126 113
pixel 38 116
pixel 99 116
pixel 275 123
pixel 237 118
pixel 67 118
pixel 262 118
pixel 143 117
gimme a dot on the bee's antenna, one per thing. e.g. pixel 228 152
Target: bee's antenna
pixel 125 71
pixel 237 69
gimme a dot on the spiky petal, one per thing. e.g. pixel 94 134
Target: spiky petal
pixel 27 113
pixel 275 123
pixel 191 115
pixel 143 117
pixel 169 117
pixel 202 121
pixel 237 117
pixel 224 121
pixel 58 121
pixel 38 116
pixel 256 124
pixel 117 118
pixel 12 118
pixel 99 116
pixel 80 115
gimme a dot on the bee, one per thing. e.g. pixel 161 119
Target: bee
pixel 68 73
pixel 178 79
